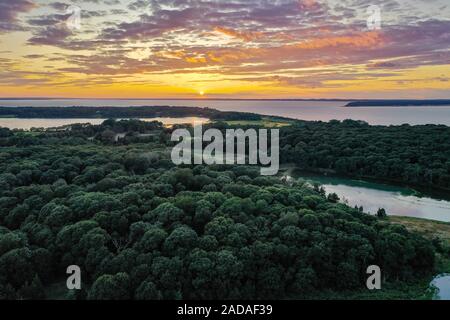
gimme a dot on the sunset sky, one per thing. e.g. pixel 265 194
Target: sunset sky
pixel 224 49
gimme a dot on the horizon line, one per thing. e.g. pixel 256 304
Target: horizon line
pixel 220 99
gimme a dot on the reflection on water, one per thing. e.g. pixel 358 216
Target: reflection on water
pixel 442 283
pixel 372 196
pixel 305 110
pixel 27 124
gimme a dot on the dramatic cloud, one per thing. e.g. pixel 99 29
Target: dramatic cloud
pixel 289 44
pixel 9 11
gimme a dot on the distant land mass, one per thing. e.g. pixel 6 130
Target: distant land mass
pixel 123 112
pixel 399 103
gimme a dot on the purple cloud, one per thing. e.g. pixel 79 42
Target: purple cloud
pixel 9 11
pixel 250 40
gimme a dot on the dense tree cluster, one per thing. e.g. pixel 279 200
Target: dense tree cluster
pixel 414 155
pixel 141 228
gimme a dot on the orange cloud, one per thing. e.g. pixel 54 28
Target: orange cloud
pixel 182 55
pixel 243 35
pixel 233 55
pixel 362 40
pixel 196 59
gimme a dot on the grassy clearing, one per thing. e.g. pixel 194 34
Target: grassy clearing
pixel 264 122
pixel 430 229
pixel 416 290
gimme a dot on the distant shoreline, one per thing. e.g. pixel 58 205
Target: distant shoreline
pixel 122 112
pixel 350 102
pixel 400 103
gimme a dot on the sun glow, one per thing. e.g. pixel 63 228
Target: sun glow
pixel 221 54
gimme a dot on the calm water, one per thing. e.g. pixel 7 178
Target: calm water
pixel 306 110
pixel 27 124
pixel 442 283
pixel 372 196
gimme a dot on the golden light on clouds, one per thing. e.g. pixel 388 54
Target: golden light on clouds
pixel 286 49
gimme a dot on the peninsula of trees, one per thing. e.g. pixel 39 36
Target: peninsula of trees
pixel 122 112
pixel 399 103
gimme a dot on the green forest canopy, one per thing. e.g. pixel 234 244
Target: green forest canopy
pixel 141 228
